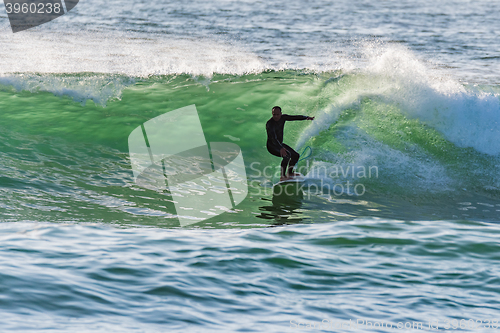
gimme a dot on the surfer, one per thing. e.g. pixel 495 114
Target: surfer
pixel 275 145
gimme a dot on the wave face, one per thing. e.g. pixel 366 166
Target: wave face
pixel 394 127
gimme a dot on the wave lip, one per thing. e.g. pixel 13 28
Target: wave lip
pixel 465 115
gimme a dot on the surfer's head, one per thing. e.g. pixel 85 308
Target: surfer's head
pixel 276 113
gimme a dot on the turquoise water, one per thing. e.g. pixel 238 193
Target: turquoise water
pixel 397 223
pixel 99 277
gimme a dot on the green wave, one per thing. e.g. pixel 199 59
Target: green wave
pixel 65 154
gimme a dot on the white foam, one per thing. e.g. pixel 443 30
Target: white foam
pixel 122 53
pixel 369 160
pixel 104 64
pixel 466 116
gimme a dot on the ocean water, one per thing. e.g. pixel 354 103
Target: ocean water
pixel 396 230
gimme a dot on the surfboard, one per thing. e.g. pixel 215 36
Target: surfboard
pixel 296 179
pixel 289 187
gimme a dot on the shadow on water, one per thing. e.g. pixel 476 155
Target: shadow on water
pixel 285 205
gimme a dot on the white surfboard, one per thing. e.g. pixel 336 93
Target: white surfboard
pixel 296 179
pixel 290 188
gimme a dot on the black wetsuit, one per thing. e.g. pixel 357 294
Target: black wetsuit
pixel 275 141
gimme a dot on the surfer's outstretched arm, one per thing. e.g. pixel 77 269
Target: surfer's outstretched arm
pixel 288 117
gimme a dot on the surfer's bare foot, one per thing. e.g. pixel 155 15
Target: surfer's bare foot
pixel 283 178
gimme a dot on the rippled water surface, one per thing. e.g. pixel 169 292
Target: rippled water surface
pixel 97 278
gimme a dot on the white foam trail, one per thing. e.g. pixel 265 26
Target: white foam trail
pixel 324 118
pixel 375 161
